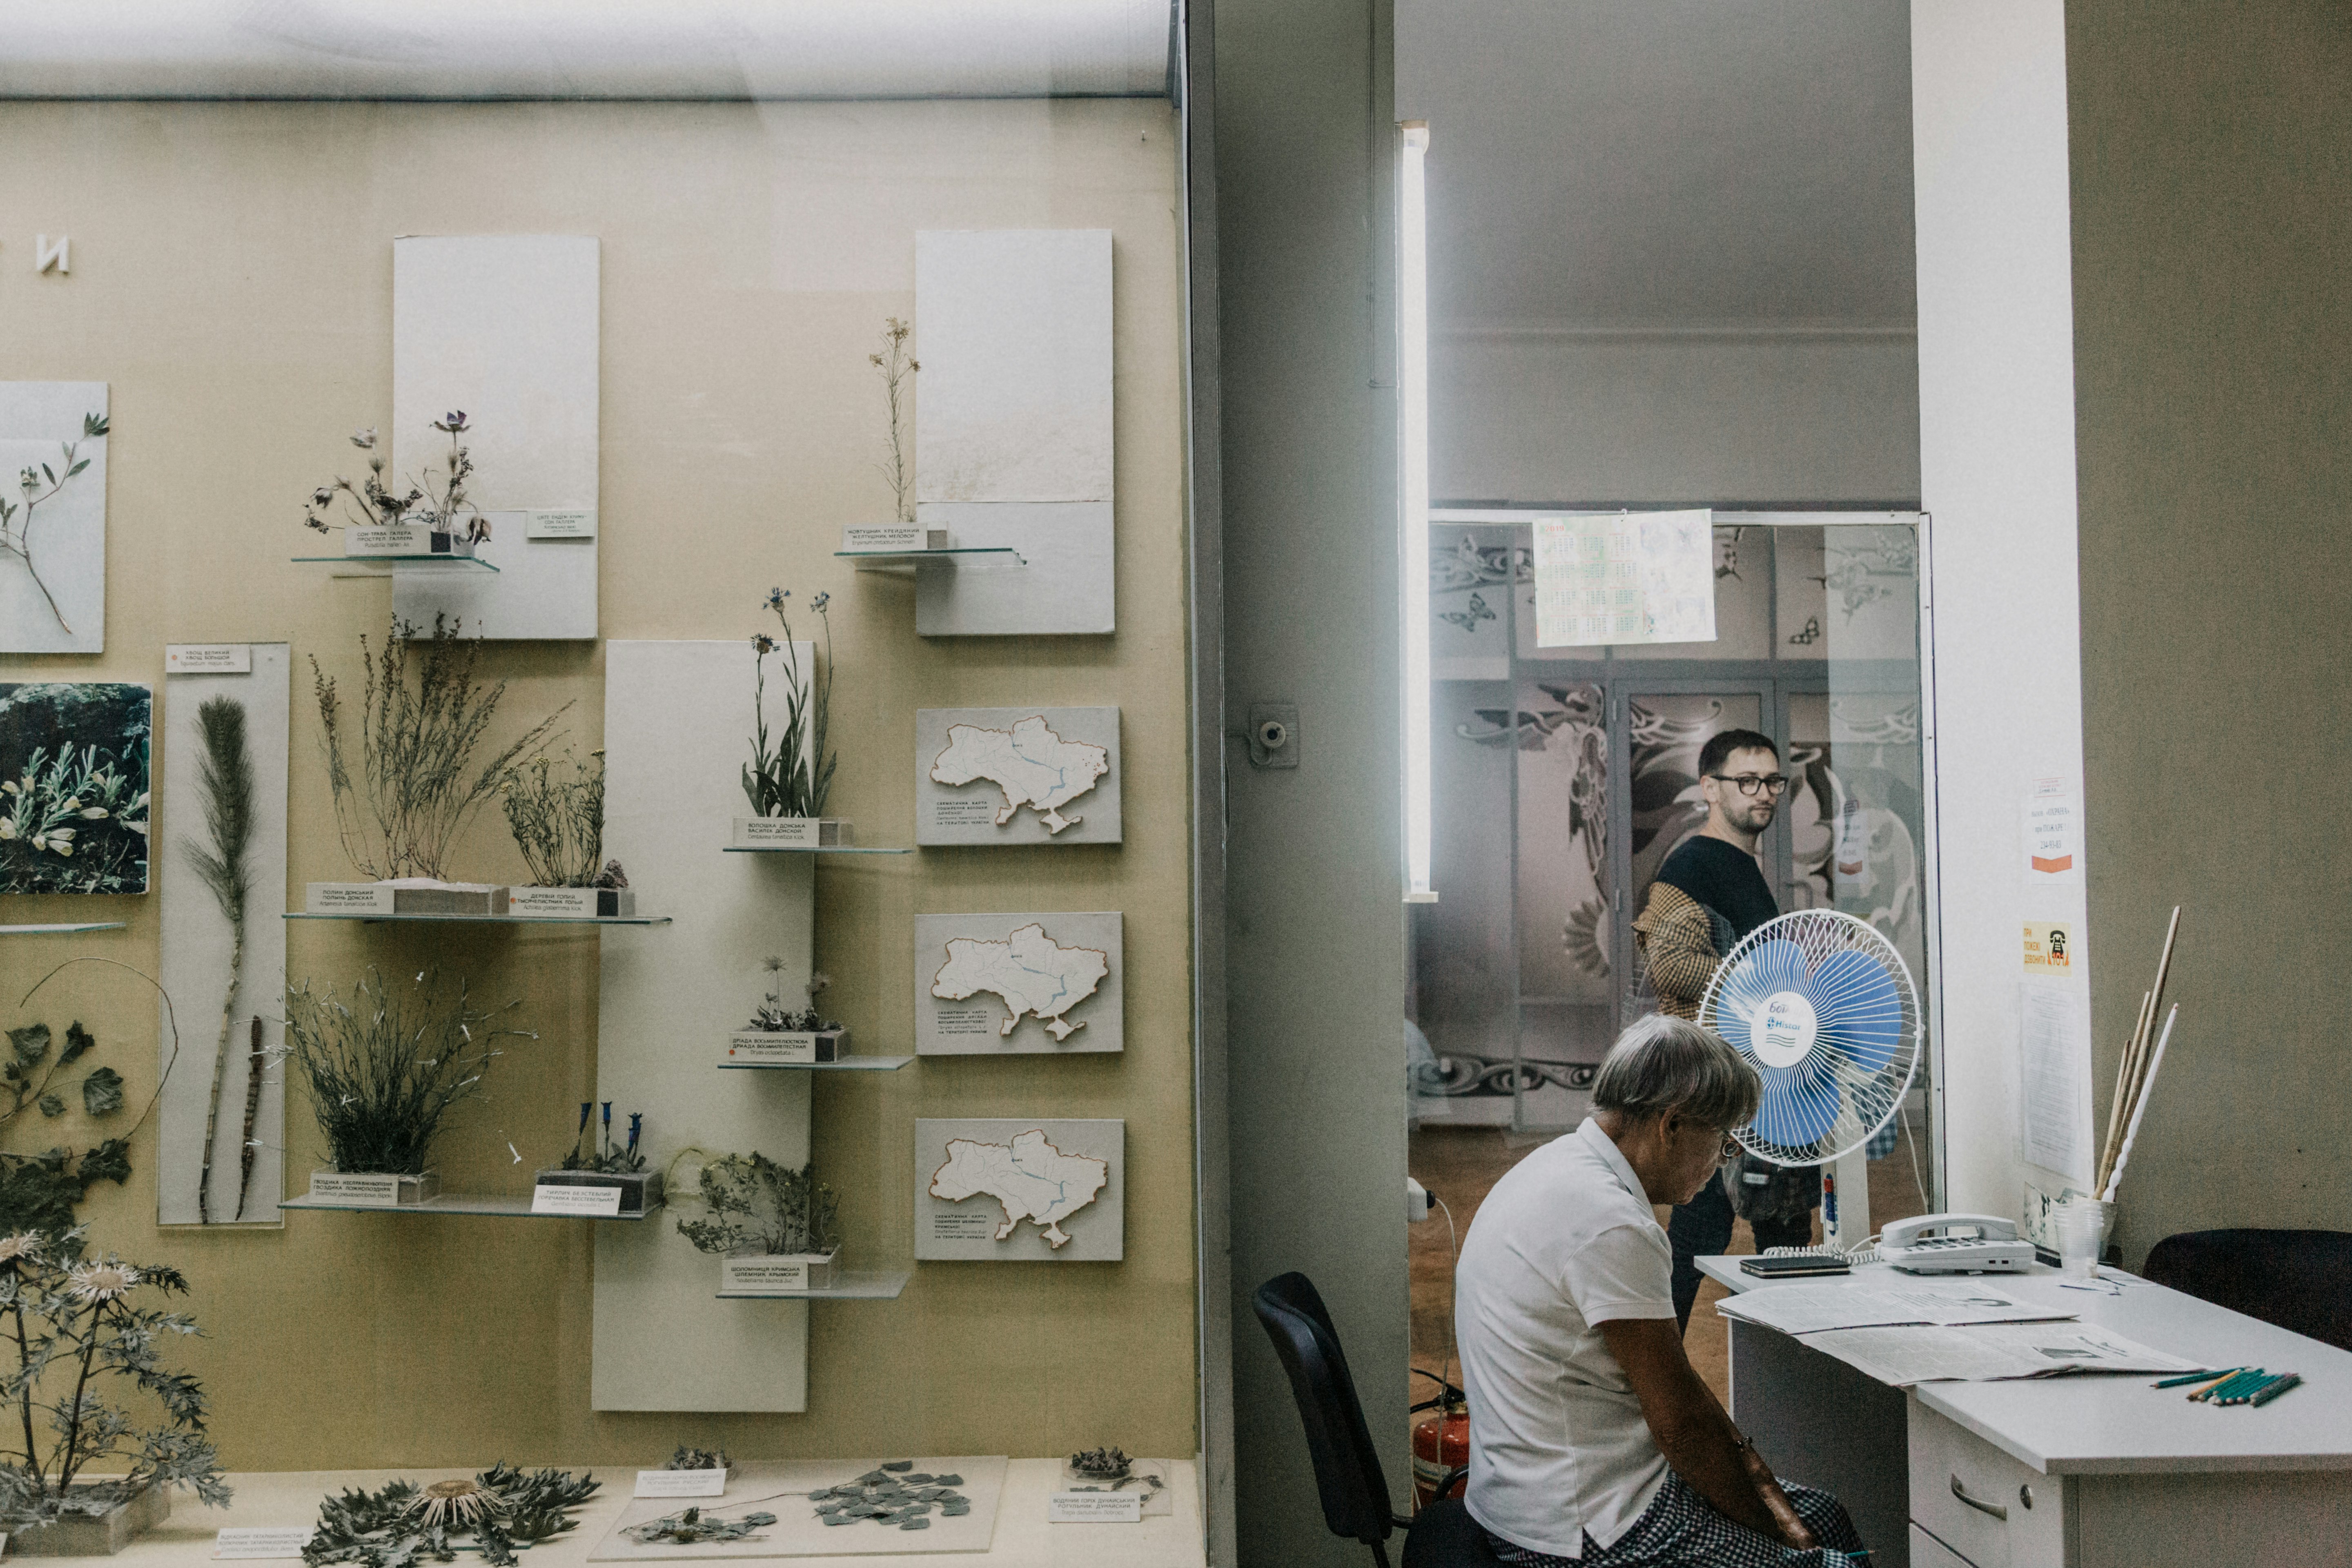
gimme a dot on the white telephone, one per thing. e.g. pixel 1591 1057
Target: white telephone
pixel 1955 1244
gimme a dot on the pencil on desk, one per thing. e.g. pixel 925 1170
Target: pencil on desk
pixel 2276 1389
pixel 2188 1377
pixel 2228 1385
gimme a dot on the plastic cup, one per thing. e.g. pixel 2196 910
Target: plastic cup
pixel 2082 1234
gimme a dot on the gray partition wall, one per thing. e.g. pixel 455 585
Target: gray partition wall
pixel 1315 919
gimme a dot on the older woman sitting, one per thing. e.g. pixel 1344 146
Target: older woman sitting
pixel 1592 1441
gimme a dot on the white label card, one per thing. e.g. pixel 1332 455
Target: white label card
pixel 572 902
pixel 347 899
pixel 794 832
pixel 603 1201
pixel 355 1187
pixel 208 658
pixel 789 1048
pixel 909 536
pixel 681 1483
pixel 1094 1508
pixel 266 1544
pixel 559 525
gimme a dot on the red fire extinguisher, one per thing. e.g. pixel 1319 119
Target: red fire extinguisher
pixel 1441 1445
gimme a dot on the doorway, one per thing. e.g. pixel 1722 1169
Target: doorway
pixel 1561 778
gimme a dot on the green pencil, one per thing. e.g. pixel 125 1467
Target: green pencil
pixel 2276 1389
pixel 2213 1375
pixel 2228 1386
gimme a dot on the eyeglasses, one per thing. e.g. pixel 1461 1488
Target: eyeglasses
pixel 1730 1152
pixel 1770 784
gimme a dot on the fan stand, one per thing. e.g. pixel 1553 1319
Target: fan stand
pixel 1850 1229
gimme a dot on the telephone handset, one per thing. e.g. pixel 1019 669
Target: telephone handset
pixel 1955 1244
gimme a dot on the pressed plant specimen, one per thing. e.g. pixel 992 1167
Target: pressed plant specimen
pixel 897 367
pixel 772 1017
pixel 440 507
pixel 77 1321
pixel 792 777
pixel 37 486
pixel 559 819
pixel 689 1526
pixel 688 1457
pixel 40 1193
pixel 222 861
pixel 386 1067
pixel 759 1207
pixel 613 1159
pixel 494 1513
pixel 411 787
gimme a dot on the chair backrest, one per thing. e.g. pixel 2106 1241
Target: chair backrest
pixel 2297 1279
pixel 1346 1467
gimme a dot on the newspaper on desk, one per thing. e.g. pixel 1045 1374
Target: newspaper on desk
pixel 1815 1309
pixel 1989 1353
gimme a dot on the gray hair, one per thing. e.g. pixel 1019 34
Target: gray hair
pixel 1663 1063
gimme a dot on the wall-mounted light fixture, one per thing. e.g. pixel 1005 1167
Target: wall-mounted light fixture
pixel 1413 445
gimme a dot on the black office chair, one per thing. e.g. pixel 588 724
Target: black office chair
pixel 2297 1279
pixel 1348 1474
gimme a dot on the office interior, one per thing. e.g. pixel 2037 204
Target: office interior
pixel 1999 343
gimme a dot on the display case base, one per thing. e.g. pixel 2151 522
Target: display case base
pixel 94 1535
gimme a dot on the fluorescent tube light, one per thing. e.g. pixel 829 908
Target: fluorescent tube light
pixel 1412 446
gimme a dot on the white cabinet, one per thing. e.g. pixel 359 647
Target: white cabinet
pixel 1992 1508
pixel 1927 1552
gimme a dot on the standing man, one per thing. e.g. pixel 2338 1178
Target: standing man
pixel 1708 895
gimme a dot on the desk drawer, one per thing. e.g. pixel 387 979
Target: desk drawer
pixel 1927 1552
pixel 1994 1510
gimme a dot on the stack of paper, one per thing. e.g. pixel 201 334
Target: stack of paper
pixel 1816 1308
pixel 1991 1352
pixel 1957 1331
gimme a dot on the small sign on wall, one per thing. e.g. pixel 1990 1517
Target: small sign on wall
pixel 2050 949
pixel 208 658
pixel 2053 831
pixel 559 525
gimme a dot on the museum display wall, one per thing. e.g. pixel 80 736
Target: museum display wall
pixel 230 290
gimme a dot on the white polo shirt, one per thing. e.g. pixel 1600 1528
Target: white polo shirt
pixel 1557 1445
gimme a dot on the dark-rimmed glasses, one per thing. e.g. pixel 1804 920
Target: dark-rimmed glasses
pixel 1748 784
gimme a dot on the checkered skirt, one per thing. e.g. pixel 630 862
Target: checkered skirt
pixel 1681 1529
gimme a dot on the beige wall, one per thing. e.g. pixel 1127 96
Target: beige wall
pixel 2212 212
pixel 231 280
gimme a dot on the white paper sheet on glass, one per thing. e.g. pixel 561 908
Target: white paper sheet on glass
pixel 504 327
pixel 1634 577
pixel 2053 1041
pixel 1811 1309
pixel 68 535
pixel 1991 1352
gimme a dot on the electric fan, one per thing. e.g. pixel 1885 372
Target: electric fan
pixel 1823 1007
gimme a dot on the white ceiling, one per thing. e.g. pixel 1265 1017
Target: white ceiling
pixel 1664 164
pixel 582 49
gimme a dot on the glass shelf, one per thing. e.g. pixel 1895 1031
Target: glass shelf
pixel 490 1205
pixel 398 561
pixel 499 919
pixel 813 849
pixel 65 930
pixel 847 1064
pixel 853 1287
pixel 903 563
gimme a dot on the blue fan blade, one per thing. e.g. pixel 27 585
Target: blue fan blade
pixel 1764 970
pixel 1798 1107
pixel 1859 1009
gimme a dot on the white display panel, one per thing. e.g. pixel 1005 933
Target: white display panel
pixel 678 721
pixel 67 534
pixel 194 955
pixel 1014 428
pixel 997 776
pixel 1020 1190
pixel 1007 984
pixel 504 328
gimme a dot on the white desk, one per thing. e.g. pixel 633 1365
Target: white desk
pixel 2119 1475
pixel 1023 1536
